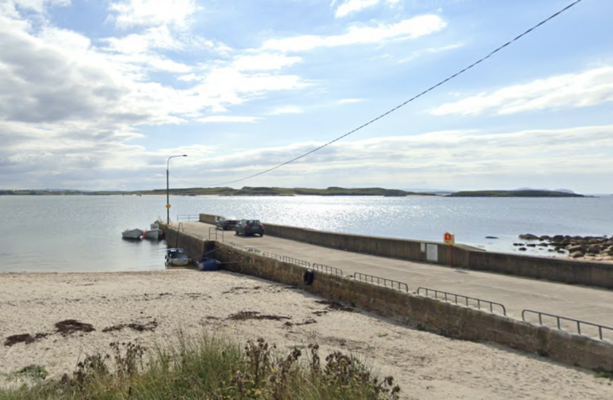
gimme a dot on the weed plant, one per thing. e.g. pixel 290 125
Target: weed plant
pixel 211 368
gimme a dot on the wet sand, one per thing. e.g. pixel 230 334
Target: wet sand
pixel 95 309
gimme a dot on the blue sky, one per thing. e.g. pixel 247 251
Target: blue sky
pixel 98 94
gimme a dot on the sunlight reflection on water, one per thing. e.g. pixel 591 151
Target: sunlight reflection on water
pixel 83 233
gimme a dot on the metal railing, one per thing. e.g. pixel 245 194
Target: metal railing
pixel 461 299
pixel 326 269
pixel 214 234
pixel 238 246
pixel 559 319
pixel 292 260
pixel 272 255
pixel 188 217
pixel 244 248
pixel 180 230
pixel 375 280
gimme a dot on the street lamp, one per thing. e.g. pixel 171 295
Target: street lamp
pixel 168 187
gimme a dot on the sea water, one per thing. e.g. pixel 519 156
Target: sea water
pixel 83 233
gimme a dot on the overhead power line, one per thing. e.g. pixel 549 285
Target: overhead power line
pixel 183 180
pixel 409 100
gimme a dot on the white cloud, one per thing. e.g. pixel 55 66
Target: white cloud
pixel 188 78
pixel 151 38
pixel 264 62
pixel 53 155
pixel 59 75
pixel 224 118
pixel 130 13
pixel 227 85
pixel 583 89
pixel 454 159
pixel 68 107
pixel 34 5
pixel 352 6
pixel 348 101
pixel 406 29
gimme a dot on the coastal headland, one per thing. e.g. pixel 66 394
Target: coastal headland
pixel 278 191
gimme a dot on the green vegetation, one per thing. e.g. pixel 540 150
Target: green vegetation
pixel 514 193
pixel 226 191
pixel 209 368
pixel 604 374
pixel 277 191
pixel 33 371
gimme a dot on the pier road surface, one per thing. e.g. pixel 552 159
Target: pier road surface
pixel 515 293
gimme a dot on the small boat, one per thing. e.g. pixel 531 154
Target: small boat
pixel 154 233
pixel 132 234
pixel 208 264
pixel 176 257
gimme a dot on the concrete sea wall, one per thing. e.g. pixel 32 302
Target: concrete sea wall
pixel 458 256
pixel 426 313
pixel 195 246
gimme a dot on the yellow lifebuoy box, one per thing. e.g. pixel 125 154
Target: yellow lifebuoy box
pixel 449 238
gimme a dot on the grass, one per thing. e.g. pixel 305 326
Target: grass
pixel 33 371
pixel 604 374
pixel 212 368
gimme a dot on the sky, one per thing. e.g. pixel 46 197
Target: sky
pixel 98 94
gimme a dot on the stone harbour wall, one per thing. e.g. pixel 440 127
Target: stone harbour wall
pixel 426 313
pixel 571 271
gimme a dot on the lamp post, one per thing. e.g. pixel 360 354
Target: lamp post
pixel 168 187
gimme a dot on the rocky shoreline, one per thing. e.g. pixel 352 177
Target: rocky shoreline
pixel 591 248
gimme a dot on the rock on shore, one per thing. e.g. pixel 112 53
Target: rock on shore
pixel 593 248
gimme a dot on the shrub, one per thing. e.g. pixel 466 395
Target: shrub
pixel 212 368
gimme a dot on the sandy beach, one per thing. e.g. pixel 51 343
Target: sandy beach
pixel 150 307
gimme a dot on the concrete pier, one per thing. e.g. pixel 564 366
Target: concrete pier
pixel 515 293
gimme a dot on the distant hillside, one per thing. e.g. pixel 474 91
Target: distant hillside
pixel 226 191
pixel 276 191
pixel 514 193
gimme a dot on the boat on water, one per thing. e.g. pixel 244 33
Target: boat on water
pixel 154 232
pixel 176 257
pixel 132 234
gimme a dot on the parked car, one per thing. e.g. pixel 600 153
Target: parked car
pixel 248 227
pixel 226 224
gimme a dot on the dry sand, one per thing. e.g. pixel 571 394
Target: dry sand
pixel 426 366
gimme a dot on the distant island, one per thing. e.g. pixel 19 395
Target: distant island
pixel 276 191
pixel 227 191
pixel 515 193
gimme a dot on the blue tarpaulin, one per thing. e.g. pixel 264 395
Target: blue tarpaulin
pixel 208 264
